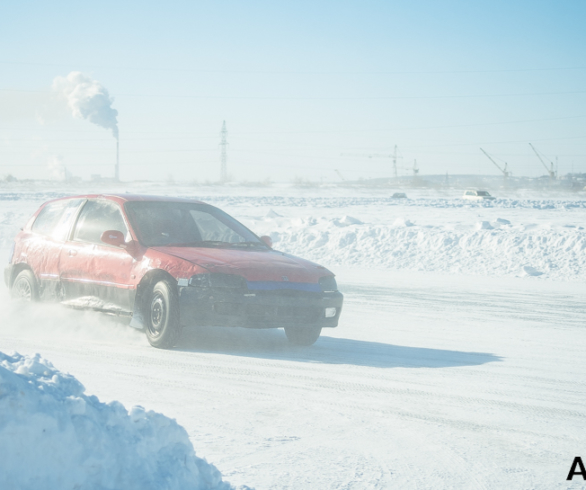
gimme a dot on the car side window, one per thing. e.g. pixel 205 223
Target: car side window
pixel 55 218
pixel 95 218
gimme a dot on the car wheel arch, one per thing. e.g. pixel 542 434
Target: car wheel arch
pixel 150 279
pixel 143 290
pixel 17 269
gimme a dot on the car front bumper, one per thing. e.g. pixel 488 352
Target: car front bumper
pixel 257 309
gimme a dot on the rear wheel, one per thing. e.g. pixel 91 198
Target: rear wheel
pixel 25 286
pixel 162 316
pixel 306 335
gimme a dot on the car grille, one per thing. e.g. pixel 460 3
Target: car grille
pixel 256 312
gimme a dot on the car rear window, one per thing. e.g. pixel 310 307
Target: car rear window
pixel 55 218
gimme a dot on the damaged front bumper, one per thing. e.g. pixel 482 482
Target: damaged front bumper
pixel 258 308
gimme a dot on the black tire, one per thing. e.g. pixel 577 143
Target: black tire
pixel 306 335
pixel 25 286
pixel 163 328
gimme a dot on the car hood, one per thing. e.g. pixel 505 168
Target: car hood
pixel 262 265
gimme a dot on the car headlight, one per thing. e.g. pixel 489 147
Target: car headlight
pixel 328 284
pixel 200 281
pixel 230 281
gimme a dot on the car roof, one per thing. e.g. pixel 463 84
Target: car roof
pixel 122 198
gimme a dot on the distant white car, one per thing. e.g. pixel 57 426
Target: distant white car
pixel 472 195
pixel 399 195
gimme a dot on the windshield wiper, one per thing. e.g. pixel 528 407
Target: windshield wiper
pixel 217 243
pixel 248 244
pixel 200 243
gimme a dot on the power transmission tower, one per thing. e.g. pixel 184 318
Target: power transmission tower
pixel 223 158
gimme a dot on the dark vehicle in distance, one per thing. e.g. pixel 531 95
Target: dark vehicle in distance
pixel 168 263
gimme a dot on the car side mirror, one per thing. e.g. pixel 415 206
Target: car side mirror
pixel 113 237
pixel 267 240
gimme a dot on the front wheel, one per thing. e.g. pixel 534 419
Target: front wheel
pixel 25 286
pixel 306 335
pixel 162 316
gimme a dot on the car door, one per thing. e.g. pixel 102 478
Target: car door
pixel 93 273
pixel 42 247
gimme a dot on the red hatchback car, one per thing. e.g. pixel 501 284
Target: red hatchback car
pixel 168 263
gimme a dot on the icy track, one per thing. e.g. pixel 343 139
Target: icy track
pixel 453 376
pixel 430 382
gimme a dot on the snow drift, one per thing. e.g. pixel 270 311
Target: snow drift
pixel 534 238
pixel 52 435
pixel 481 248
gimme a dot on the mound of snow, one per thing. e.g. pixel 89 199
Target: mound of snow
pixel 402 223
pixel 272 214
pixel 347 221
pixel 502 221
pixel 530 271
pixel 483 225
pixel 52 435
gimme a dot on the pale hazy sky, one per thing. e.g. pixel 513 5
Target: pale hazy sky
pixel 305 87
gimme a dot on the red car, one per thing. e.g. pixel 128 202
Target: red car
pixel 168 263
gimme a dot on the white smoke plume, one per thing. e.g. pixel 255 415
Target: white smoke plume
pixel 88 99
pixel 57 169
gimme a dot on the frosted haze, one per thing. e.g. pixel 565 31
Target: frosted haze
pixel 305 88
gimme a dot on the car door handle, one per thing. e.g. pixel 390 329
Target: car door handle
pixel 72 253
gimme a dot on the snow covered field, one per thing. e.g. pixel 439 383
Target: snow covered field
pixel 433 232
pixel 458 362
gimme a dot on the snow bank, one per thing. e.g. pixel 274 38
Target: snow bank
pixel 493 248
pixel 542 238
pixel 52 435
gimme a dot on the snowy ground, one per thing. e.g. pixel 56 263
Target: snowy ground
pixel 440 375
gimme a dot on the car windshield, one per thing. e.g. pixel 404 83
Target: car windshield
pixel 483 193
pixel 184 224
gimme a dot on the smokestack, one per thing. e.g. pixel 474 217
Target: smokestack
pixel 117 169
pixel 223 144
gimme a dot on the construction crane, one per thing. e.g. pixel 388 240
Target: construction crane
pixel 550 171
pixel 505 171
pixel 339 173
pixel 376 155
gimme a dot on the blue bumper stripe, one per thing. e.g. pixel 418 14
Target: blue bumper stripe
pixel 272 285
